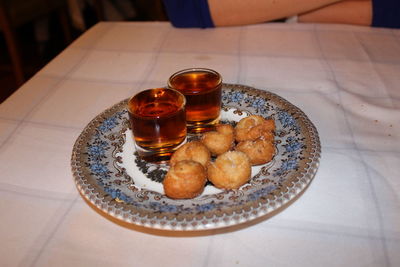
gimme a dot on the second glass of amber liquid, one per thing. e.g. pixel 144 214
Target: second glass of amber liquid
pixel 202 88
pixel 158 122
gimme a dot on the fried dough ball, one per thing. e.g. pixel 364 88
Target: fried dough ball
pixel 185 179
pixel 219 141
pixel 194 150
pixel 268 136
pixel 225 129
pixel 259 151
pixel 253 127
pixel 230 170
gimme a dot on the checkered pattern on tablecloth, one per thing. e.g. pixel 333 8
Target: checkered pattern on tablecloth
pixel 345 78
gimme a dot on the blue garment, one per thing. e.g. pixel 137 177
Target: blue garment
pixel 196 13
pixel 386 13
pixel 189 13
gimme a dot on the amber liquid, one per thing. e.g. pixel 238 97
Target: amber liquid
pixel 158 124
pixel 203 98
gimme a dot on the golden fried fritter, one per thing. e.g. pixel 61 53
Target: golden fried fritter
pixel 185 179
pixel 253 127
pixel 259 151
pixel 194 150
pixel 230 170
pixel 219 141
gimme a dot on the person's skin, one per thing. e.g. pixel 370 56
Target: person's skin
pixel 241 12
pixel 358 12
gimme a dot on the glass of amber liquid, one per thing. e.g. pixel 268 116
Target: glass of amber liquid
pixel 202 89
pixel 157 118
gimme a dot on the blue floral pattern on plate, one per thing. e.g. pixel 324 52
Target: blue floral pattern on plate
pixel 101 175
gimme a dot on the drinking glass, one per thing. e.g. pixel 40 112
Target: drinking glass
pixel 157 118
pixel 202 88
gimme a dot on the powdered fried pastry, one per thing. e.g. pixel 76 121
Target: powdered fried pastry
pixel 194 150
pixel 219 141
pixel 259 151
pixel 185 179
pixel 230 170
pixel 253 127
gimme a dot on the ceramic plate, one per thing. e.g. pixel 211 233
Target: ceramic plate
pixel 108 173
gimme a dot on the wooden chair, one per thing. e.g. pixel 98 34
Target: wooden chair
pixel 15 13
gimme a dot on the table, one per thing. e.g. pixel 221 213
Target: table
pixel 345 78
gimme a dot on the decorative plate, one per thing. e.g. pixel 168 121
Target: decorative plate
pixel 108 173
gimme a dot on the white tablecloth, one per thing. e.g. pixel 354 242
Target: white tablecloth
pixel 345 78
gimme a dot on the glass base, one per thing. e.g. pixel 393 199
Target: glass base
pixel 157 156
pixel 201 127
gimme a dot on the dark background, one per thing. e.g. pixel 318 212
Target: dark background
pixel 36 55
